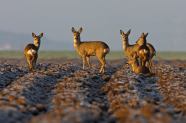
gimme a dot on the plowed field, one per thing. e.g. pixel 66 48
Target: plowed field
pixel 60 91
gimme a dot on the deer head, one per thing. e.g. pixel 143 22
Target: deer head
pixel 76 34
pixel 142 39
pixel 37 39
pixel 125 36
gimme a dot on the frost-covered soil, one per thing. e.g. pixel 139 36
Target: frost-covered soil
pixel 60 91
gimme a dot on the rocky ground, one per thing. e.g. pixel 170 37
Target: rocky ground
pixel 60 91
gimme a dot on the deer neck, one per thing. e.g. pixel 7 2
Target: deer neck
pixel 125 44
pixel 37 45
pixel 141 42
pixel 77 43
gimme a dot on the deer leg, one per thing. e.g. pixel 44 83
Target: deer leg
pixel 35 60
pixel 142 63
pixel 140 60
pixel 147 64
pixel 29 64
pixel 34 64
pixel 144 60
pixel 88 60
pixel 102 60
pixel 84 57
pixel 150 64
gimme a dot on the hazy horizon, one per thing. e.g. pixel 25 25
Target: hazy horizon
pixel 100 20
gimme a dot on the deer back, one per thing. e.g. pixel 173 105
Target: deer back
pixel 30 49
pixel 93 48
pixel 144 50
pixel 152 50
pixel 131 49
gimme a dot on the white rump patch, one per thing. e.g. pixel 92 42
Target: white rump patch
pixel 146 51
pixel 31 52
pixel 143 51
pixel 106 50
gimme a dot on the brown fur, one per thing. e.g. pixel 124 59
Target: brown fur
pixel 142 41
pixel 135 65
pixel 31 51
pixel 144 54
pixel 92 48
pixel 128 49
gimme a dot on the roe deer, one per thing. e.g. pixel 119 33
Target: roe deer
pixel 92 48
pixel 144 54
pixel 128 49
pixel 135 65
pixel 142 41
pixel 31 51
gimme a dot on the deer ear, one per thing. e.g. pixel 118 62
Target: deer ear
pixel 146 34
pixel 142 35
pixel 121 32
pixel 41 35
pixel 80 30
pixel 128 32
pixel 33 35
pixel 73 30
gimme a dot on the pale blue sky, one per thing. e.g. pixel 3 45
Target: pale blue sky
pixel 164 20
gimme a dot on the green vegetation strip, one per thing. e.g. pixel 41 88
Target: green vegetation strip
pixel 163 55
